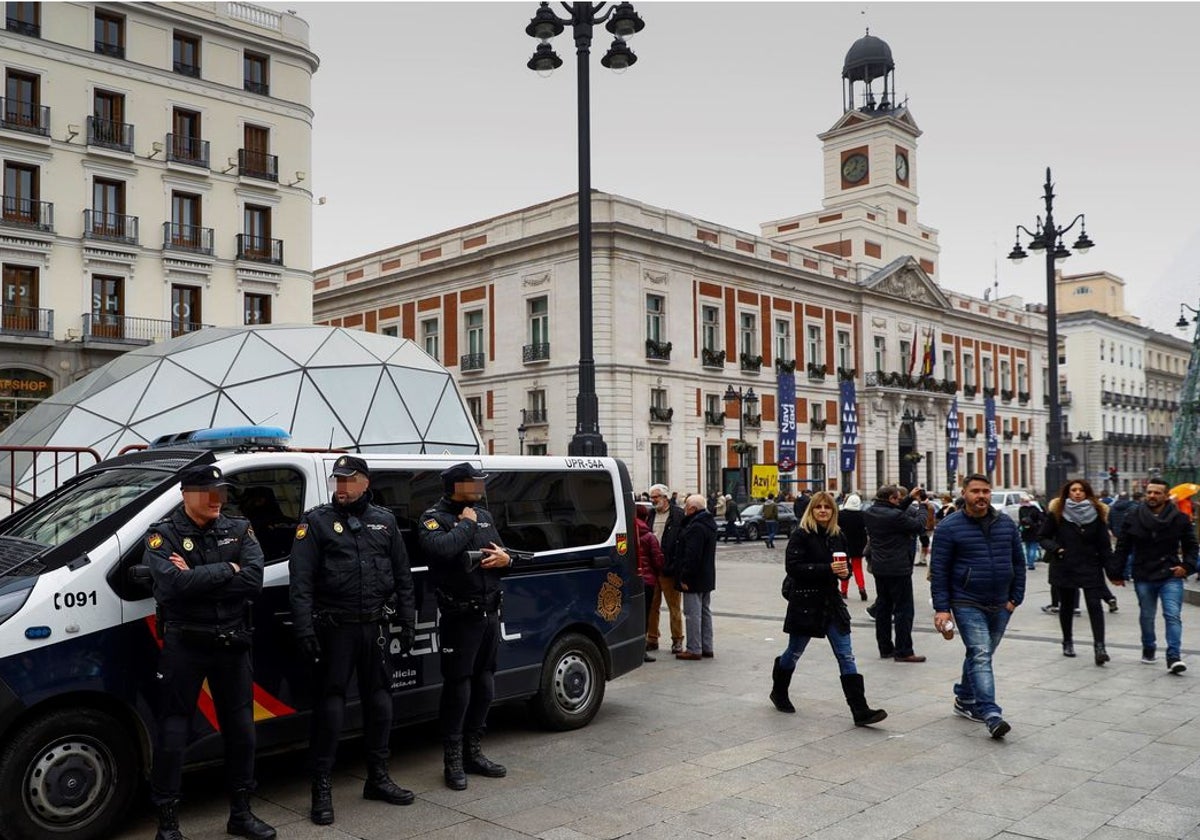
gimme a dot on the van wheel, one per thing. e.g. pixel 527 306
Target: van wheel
pixel 75 776
pixel 752 532
pixel 572 685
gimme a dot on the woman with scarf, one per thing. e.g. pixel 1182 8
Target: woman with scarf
pixel 1075 537
pixel 815 607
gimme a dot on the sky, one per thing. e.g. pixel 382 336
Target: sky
pixel 427 119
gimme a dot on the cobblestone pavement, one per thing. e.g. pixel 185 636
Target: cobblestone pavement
pixel 686 750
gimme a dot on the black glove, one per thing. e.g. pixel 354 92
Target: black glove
pixel 408 635
pixel 311 648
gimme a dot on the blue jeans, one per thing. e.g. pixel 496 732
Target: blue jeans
pixel 839 642
pixel 1171 592
pixel 1031 554
pixel 981 631
pixel 772 527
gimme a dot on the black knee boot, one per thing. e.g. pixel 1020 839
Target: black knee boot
pixel 1101 654
pixel 476 762
pixel 242 821
pixel 321 812
pixel 780 680
pixel 379 785
pixel 455 775
pixel 168 821
pixel 856 699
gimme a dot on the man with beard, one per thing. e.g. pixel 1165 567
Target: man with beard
pixel 665 521
pixel 1164 550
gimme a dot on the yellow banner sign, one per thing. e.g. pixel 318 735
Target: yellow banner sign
pixel 764 481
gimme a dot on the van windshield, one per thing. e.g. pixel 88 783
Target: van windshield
pixel 60 517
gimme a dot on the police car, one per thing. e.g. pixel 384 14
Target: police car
pixel 77 626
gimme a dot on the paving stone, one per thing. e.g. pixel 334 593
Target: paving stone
pixel 1057 822
pixel 1101 798
pixel 1158 817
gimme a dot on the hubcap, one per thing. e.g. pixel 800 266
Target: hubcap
pixel 66 782
pixel 573 683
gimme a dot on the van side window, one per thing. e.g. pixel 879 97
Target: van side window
pixel 541 511
pixel 272 499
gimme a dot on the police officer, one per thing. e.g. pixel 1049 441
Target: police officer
pixel 468 594
pixel 207 568
pixel 348 563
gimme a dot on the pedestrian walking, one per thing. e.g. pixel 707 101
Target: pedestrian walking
pixel 350 581
pixel 731 520
pixel 815 561
pixel 893 523
pixel 977 578
pixel 850 520
pixel 1029 522
pixel 207 569
pixel 695 556
pixel 770 515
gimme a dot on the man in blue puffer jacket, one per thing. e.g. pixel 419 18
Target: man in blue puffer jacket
pixel 977 575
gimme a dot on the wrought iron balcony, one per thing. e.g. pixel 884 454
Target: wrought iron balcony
pixel 112 227
pixel 714 418
pixel 658 351
pixel 252 164
pixel 535 353
pixel 712 358
pixel 26 321
pixel 1064 398
pixel 970 390
pixel 1008 434
pixel 185 69
pixel 123 329
pixel 182 148
pixel 26 213
pixel 1023 397
pixel 1005 395
pixel 749 363
pixel 535 417
pixel 471 361
pixel 752 421
pixel 846 374
pixel 197 240
pixel 261 88
pixel 16 115
pixel 109 134
pixel 110 49
pixel 658 414
pixel 1026 435
pixel 816 373
pixel 259 249
pixel 785 366
pixel 23 27
pixel 989 393
pixel 818 425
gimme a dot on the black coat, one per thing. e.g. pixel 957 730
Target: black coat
pixel 1157 543
pixel 1078 554
pixel 670 530
pixel 893 530
pixel 854 529
pixel 695 552
pixel 815 601
pixel 445 540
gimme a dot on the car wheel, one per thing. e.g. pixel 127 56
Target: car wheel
pixel 752 532
pixel 572 684
pixel 73 773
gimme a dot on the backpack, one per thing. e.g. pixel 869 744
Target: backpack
pixel 930 517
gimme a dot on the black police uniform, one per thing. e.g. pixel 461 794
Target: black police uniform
pixel 347 563
pixel 204 616
pixel 469 599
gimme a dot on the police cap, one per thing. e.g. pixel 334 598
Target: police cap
pixel 348 465
pixel 460 472
pixel 202 477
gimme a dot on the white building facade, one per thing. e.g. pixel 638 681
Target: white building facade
pixel 156 161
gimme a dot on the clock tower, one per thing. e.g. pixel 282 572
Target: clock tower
pixel 869 208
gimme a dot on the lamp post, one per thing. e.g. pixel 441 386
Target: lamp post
pixel 1183 454
pixel 521 432
pixel 1085 438
pixel 1049 238
pixel 623 22
pixel 742 398
pixel 911 473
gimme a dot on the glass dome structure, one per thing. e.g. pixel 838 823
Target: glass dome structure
pixel 327 386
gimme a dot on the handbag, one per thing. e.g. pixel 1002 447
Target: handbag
pixel 788 588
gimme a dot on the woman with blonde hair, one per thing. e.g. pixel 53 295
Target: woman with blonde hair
pixel 815 607
pixel 1075 537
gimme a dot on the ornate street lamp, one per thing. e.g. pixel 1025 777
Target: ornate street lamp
pixel 1085 438
pixel 521 432
pixel 742 398
pixel 1183 453
pixel 623 22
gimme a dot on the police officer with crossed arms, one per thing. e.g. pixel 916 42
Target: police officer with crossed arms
pixel 466 560
pixel 348 562
pixel 207 568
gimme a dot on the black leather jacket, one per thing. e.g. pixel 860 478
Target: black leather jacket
pixel 209 593
pixel 349 561
pixel 445 540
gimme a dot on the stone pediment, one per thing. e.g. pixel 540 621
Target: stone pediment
pixel 853 119
pixel 904 279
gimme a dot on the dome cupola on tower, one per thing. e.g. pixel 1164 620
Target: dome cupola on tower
pixel 869 58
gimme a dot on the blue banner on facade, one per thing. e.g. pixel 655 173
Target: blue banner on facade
pixel 993 443
pixel 787 422
pixel 849 422
pixel 952 439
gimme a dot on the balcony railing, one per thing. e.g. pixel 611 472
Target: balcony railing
pixel 471 361
pixel 989 393
pixel 1005 395
pixel 714 418
pixel 818 425
pixel 197 240
pixel 261 165
pixel 183 148
pixel 26 213
pixel 109 134
pixel 24 27
pixel 1023 397
pixel 535 353
pixel 712 358
pixel 26 321
pixel 110 49
pixel 261 88
pixel 970 390
pixel 185 69
pixel 535 417
pixel 783 366
pixel 753 421
pixel 123 329
pixel 1064 398
pixel 659 351
pixel 112 227
pixel 658 414
pixel 16 115
pixel 896 379
pixel 259 249
pixel 749 363
pixel 816 373
pixel 972 434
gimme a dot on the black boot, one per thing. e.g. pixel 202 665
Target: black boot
pixel 864 715
pixel 780 680
pixel 474 761
pixel 455 775
pixel 379 785
pixel 1069 648
pixel 1101 654
pixel 242 821
pixel 168 821
pixel 322 801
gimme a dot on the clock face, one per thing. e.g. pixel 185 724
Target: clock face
pixel 854 168
pixel 901 166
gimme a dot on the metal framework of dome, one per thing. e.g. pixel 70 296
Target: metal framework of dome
pixel 869 58
pixel 327 386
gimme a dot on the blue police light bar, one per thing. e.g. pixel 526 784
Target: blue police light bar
pixel 227 437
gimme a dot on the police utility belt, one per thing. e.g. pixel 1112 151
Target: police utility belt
pixel 474 605
pixel 208 637
pixel 336 618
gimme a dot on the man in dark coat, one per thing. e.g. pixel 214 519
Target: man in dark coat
pixel 1163 543
pixel 665 521
pixel 893 523
pixel 1030 519
pixel 695 554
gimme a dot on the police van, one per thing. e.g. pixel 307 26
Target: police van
pixel 78 646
